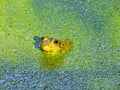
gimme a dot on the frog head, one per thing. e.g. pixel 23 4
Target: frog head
pixel 53 45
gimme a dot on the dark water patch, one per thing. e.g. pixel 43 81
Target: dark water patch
pixel 37 42
pixel 24 78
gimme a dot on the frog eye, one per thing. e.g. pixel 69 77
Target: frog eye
pixel 55 42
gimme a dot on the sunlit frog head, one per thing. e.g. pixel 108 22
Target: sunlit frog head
pixel 54 46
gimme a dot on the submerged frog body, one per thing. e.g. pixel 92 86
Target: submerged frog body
pixel 53 45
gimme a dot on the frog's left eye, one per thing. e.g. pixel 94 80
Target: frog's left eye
pixel 55 42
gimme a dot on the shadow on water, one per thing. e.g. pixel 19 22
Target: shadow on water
pixel 37 42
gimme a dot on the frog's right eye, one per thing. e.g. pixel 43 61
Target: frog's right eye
pixel 55 42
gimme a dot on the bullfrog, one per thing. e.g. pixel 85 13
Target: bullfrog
pixel 53 45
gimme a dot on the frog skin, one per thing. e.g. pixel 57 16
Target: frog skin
pixel 53 45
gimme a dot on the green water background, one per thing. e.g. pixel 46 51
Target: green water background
pixel 92 25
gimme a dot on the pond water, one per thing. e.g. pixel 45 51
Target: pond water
pixel 93 26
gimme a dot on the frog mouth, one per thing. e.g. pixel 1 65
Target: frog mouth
pixel 46 42
pixel 45 48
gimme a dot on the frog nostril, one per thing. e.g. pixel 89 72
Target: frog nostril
pixel 51 39
pixel 42 38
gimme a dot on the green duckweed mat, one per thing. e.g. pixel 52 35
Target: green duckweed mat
pixel 93 63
